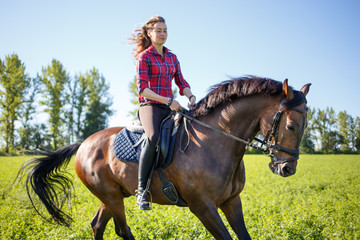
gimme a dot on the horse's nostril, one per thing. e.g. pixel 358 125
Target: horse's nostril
pixel 288 170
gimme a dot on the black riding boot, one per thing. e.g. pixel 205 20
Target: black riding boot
pixel 146 162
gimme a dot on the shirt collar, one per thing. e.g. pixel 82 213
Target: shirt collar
pixel 152 50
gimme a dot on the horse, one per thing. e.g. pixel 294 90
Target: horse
pixel 209 175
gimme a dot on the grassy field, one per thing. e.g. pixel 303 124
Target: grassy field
pixel 321 201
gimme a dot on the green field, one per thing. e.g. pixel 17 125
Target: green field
pixel 321 201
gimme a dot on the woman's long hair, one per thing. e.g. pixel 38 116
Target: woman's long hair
pixel 140 36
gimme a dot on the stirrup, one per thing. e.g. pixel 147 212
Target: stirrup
pixel 142 199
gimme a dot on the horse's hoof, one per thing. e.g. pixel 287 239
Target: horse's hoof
pixel 144 207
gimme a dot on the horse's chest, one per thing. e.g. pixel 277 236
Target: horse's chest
pixel 236 181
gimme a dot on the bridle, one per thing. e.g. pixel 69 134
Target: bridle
pixel 272 134
pixel 266 145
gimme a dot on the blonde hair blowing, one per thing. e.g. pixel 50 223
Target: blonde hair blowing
pixel 140 36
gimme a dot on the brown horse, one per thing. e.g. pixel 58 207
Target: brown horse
pixel 209 175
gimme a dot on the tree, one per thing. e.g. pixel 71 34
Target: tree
pixel 80 96
pixel 357 133
pixel 134 98
pixel 352 133
pixel 334 139
pixel 54 79
pixel 320 124
pixel 69 115
pixel 40 137
pixel 325 122
pixel 343 126
pixel 99 104
pixel 307 145
pixel 13 84
pixel 26 131
pixel 347 129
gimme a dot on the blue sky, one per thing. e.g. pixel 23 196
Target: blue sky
pixel 305 41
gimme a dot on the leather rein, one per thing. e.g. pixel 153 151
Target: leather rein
pixel 266 145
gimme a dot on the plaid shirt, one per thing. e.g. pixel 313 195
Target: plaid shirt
pixel 156 73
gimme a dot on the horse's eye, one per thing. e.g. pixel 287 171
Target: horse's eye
pixel 291 127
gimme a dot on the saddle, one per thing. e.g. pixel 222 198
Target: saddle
pixel 128 146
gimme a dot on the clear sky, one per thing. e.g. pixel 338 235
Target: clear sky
pixel 307 41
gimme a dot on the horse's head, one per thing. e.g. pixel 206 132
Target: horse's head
pixel 285 130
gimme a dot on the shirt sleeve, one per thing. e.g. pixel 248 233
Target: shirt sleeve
pixel 179 79
pixel 142 74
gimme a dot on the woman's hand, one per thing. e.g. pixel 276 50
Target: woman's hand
pixel 175 106
pixel 191 97
pixel 192 102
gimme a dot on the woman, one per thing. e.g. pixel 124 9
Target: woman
pixel 156 68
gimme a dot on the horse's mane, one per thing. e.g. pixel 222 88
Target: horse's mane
pixel 239 87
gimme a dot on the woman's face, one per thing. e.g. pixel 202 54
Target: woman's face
pixel 158 34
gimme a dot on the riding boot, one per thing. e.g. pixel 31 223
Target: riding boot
pixel 146 162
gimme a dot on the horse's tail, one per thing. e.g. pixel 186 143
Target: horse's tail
pixel 50 183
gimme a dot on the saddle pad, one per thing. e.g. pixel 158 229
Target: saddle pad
pixel 123 145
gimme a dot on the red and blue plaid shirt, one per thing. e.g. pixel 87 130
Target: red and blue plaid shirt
pixel 156 73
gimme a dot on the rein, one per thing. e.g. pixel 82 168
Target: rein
pixel 248 143
pixel 266 147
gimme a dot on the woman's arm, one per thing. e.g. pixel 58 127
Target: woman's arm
pixel 192 99
pixel 149 94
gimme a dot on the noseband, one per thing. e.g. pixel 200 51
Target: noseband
pixel 266 145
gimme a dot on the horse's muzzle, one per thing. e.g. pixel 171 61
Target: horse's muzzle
pixel 282 169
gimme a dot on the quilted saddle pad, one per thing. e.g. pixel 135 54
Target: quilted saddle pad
pixel 124 145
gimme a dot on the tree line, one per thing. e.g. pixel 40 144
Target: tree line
pixel 328 132
pixel 73 107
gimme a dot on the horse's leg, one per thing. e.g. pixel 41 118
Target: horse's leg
pixel 117 208
pixel 100 220
pixel 232 209
pixel 110 194
pixel 210 218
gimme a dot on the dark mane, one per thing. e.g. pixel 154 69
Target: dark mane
pixel 235 88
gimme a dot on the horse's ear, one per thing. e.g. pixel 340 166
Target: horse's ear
pixel 287 91
pixel 305 89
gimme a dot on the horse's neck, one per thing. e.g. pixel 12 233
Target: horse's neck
pixel 241 117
